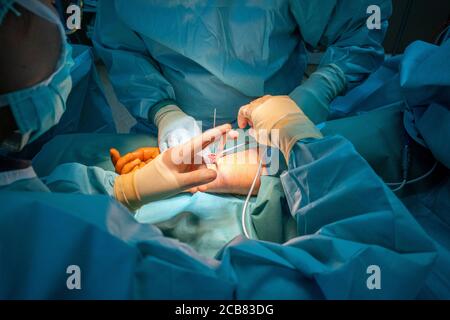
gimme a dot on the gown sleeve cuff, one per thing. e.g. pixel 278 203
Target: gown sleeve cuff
pixel 157 107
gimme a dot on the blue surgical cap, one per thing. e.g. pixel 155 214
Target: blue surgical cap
pixel 5 7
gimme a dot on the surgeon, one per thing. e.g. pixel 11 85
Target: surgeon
pixel 33 97
pixel 46 235
pixel 173 63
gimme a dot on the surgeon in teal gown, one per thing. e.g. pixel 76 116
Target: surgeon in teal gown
pixel 346 224
pixel 415 83
pixel 182 60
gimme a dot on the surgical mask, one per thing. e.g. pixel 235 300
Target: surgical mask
pixel 38 108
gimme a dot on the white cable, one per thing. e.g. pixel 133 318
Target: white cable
pixel 402 184
pixel 441 35
pixel 244 209
pixel 405 182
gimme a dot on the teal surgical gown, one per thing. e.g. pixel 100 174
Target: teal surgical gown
pixel 345 224
pixel 416 83
pixel 206 55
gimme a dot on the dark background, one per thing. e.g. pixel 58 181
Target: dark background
pixel 416 20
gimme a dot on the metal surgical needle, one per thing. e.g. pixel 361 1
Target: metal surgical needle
pixel 224 152
pixel 214 125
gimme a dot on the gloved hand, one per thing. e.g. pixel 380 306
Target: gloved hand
pixel 178 169
pixel 133 160
pixel 315 94
pixel 174 127
pixel 277 121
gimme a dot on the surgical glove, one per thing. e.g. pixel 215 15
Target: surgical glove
pixel 133 160
pixel 174 127
pixel 315 94
pixel 277 121
pixel 174 171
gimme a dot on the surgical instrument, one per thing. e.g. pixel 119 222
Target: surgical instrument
pixel 214 125
pixel 231 149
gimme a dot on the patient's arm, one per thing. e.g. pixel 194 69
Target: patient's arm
pixel 235 174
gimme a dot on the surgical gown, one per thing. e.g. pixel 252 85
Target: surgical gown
pixel 206 55
pixel 346 223
pixel 418 83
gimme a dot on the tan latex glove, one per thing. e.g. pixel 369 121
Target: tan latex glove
pixel 277 121
pixel 174 171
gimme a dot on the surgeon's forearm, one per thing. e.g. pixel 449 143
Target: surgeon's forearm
pixel 356 49
pixel 332 169
pixel 152 182
pixel 315 94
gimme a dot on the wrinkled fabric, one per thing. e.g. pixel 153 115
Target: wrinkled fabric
pixel 315 94
pixel 339 237
pixel 414 78
pixel 211 54
pixel 430 209
pixel 207 222
pixel 269 213
pixel 382 142
pixel 415 84
pixel 434 126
